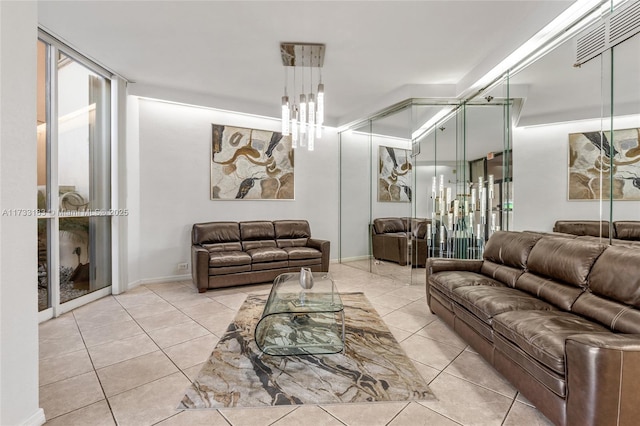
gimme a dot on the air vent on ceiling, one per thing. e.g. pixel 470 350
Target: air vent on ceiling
pixel 623 23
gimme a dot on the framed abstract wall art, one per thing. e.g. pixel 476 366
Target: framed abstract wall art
pixel 592 162
pixel 250 164
pixel 394 175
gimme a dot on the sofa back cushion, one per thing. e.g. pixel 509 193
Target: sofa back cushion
pixel 291 229
pixel 617 316
pixel 616 275
pixel 595 228
pixel 505 274
pixel 257 230
pixel 558 294
pixel 387 225
pixel 215 232
pixel 627 230
pixel 256 234
pixel 566 260
pixel 292 233
pixel 510 248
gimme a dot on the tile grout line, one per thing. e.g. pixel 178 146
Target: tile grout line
pixel 506 415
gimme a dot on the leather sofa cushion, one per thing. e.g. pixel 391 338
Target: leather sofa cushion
pixel 389 224
pixel 229 270
pixel 627 230
pixel 487 302
pixel 510 248
pixel 616 316
pixel 267 254
pixel 218 259
pixel 291 229
pixel 302 253
pixel 236 246
pixel 215 232
pixel 447 281
pixel 250 245
pixel 294 263
pixel 560 295
pixel 566 260
pixel 502 273
pixel 552 380
pixel 595 228
pixel 257 230
pixel 617 265
pixel 269 265
pixel 542 334
pixel 293 242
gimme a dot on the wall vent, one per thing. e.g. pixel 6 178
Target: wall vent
pixel 622 24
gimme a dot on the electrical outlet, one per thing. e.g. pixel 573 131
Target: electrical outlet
pixel 183 266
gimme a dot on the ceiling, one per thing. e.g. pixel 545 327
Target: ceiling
pixel 228 51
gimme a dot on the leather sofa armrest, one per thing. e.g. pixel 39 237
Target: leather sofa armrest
pixel 325 247
pixel 602 378
pixel 438 264
pixel 200 267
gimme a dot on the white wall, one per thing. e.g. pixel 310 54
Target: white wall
pixel 174 150
pixel 18 236
pixel 540 162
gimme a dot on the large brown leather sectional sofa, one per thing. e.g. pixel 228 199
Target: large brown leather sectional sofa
pixel 392 239
pixel 558 317
pixel 225 254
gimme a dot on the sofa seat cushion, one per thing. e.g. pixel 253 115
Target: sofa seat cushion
pixel 267 254
pixel 542 334
pixel 487 302
pixel 447 281
pixel 225 270
pixel 219 259
pixel 265 266
pixel 297 253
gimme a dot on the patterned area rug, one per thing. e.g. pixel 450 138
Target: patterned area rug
pixel 372 368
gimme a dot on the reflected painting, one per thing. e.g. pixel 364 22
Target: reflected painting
pixel 595 156
pixel 394 175
pixel 250 164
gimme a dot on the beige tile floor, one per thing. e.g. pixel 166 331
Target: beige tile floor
pixel 127 360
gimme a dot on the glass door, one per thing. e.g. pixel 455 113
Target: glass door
pixel 74 181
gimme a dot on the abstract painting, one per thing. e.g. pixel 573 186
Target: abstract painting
pixel 394 175
pixel 595 156
pixel 250 164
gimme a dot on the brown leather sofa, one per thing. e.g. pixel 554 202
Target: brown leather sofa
pixel 558 317
pixel 225 254
pixel 626 230
pixel 393 237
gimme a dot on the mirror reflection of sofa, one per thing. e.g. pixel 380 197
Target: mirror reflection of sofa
pixel 621 231
pixel 401 240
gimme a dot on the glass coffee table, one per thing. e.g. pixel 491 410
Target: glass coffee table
pixel 298 321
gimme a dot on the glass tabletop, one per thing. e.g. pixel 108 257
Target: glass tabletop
pixel 289 296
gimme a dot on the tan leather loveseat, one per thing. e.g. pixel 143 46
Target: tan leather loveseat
pixel 558 317
pixel 225 254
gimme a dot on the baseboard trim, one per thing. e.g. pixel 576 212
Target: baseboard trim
pixel 167 279
pixel 355 258
pixel 36 419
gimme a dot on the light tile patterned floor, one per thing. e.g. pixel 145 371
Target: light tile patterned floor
pixel 127 360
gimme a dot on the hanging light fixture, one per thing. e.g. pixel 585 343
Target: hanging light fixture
pixel 303 120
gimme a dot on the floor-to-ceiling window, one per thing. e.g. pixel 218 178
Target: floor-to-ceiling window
pixel 74 179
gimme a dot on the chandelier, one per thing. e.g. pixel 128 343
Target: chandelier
pixel 303 112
